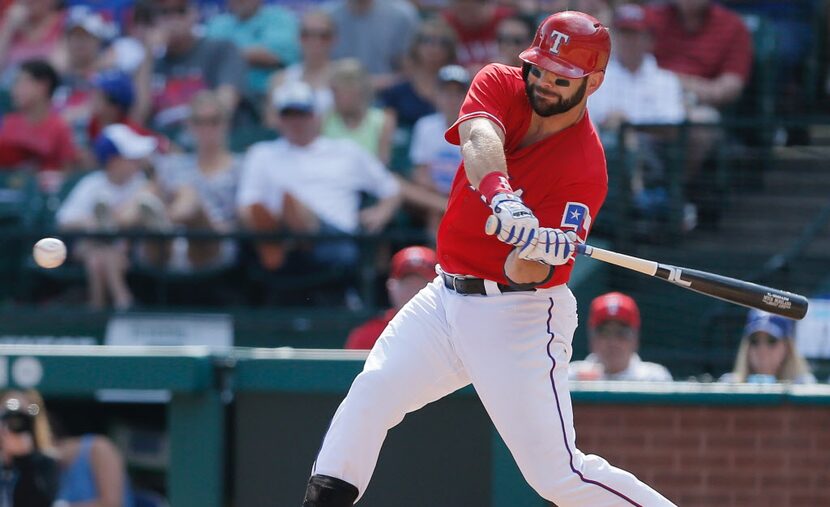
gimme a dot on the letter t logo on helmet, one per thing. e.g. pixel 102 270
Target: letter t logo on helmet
pixel 558 39
pixel 570 44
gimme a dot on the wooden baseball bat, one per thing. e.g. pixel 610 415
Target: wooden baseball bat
pixel 725 288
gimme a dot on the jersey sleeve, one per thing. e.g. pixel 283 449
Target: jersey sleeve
pixel 574 208
pixel 488 97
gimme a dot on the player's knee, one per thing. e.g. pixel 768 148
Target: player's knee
pixel 326 491
pixel 377 398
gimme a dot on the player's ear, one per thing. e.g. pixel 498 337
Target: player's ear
pixel 594 81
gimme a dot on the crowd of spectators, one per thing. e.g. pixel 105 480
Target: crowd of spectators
pixel 385 79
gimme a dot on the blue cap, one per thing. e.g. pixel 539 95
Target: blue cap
pixel 117 86
pixel 776 326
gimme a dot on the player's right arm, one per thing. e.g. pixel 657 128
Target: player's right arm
pixel 482 147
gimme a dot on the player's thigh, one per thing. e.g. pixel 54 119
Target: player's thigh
pixel 516 352
pixel 413 362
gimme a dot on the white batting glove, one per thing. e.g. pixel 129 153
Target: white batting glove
pixel 516 223
pixel 553 247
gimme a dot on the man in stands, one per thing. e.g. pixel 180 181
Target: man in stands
pixel 614 337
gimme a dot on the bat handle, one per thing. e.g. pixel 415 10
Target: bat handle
pixel 583 249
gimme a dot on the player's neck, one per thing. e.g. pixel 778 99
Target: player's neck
pixel 544 126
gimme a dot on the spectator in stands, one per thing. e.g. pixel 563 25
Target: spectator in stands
pixel 653 96
pixel 710 49
pixel 614 337
pixel 200 188
pixel 92 473
pixel 86 35
pixel 30 29
pixel 113 97
pixel 34 135
pixel 317 34
pixel 29 477
pixel 266 35
pixel 106 201
pixel 354 117
pixel 308 184
pixel 707 45
pixel 376 32
pixel 767 352
pixel 435 160
pixel 412 268
pixel 513 35
pixel 475 23
pixel 190 63
pixel 432 47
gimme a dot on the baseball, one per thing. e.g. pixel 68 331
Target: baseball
pixel 49 253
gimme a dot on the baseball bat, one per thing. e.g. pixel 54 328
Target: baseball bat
pixel 733 290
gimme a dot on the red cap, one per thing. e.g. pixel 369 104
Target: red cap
pixel 414 260
pixel 570 44
pixel 614 306
pixel 630 17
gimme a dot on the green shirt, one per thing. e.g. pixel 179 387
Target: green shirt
pixel 367 134
pixel 272 27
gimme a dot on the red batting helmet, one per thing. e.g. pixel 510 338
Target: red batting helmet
pixel 570 44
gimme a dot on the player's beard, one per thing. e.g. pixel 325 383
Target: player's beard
pixel 564 105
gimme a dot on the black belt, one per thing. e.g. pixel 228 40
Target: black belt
pixel 468 286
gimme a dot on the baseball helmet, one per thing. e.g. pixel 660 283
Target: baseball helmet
pixel 570 44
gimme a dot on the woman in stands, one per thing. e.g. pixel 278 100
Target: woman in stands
pixel 767 353
pixel 317 34
pixel 199 189
pixel 433 47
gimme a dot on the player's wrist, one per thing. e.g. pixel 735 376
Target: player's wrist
pixel 494 184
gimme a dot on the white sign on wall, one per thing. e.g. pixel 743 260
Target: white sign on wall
pixel 152 329
pixel 812 334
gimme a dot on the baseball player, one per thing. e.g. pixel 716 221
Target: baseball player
pixel 499 314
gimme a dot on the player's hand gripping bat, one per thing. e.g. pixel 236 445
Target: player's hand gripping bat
pixel 728 289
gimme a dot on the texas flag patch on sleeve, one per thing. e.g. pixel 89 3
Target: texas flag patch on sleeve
pixel 576 218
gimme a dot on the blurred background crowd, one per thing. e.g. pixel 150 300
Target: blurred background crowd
pixel 288 156
pixel 276 154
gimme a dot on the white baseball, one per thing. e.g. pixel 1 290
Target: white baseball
pixel 49 253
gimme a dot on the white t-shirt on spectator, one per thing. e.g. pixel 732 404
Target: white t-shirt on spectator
pixel 649 95
pixel 92 189
pixel 637 370
pixel 327 176
pixel 429 148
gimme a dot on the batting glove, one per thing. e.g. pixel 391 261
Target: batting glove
pixel 553 247
pixel 516 223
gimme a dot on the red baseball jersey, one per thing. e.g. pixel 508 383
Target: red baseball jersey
pixel 563 177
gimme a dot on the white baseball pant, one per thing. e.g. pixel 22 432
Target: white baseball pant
pixel 515 349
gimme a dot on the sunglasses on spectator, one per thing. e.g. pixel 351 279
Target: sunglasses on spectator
pixel 516 40
pixel 316 34
pixel 769 341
